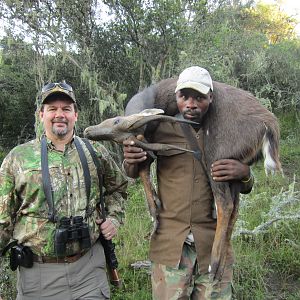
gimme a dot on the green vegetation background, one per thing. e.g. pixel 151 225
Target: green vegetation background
pixel 108 59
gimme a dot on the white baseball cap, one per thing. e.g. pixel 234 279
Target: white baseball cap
pixel 195 78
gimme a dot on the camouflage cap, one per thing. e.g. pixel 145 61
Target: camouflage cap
pixel 57 88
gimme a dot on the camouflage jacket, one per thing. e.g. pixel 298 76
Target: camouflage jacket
pixel 23 206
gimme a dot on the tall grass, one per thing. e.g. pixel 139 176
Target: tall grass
pixel 268 264
pixel 132 245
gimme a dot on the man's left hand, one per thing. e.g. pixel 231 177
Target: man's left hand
pixel 108 229
pixel 229 169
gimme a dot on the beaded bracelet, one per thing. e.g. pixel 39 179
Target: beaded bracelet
pixel 248 179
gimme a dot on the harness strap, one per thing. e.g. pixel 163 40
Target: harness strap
pixel 46 180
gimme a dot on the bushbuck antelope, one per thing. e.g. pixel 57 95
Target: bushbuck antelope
pixel 124 127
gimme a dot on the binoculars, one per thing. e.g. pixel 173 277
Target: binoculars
pixel 70 230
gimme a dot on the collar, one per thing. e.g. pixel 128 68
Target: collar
pixel 51 146
pixel 179 116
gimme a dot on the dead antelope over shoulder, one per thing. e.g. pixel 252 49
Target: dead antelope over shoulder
pixel 121 128
pixel 236 126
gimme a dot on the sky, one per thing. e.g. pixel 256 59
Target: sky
pixel 291 7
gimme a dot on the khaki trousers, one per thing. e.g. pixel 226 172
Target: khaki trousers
pixel 84 279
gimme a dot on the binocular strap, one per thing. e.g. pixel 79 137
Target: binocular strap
pixel 47 187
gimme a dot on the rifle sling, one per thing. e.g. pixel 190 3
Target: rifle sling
pixel 99 173
pixel 108 245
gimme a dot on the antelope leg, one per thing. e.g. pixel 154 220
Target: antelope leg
pixel 220 246
pixel 158 146
pixel 153 201
pixel 232 221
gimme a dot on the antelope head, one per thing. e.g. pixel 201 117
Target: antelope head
pixel 121 128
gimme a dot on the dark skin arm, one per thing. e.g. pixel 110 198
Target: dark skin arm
pixel 221 170
pixel 229 169
pixel 233 170
pixel 132 157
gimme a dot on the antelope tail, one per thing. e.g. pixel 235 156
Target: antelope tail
pixel 270 150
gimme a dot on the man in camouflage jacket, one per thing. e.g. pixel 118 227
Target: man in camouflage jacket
pixel 24 209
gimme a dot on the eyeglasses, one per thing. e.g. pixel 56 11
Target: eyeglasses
pixel 50 86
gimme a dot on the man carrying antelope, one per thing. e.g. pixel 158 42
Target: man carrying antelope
pixel 181 247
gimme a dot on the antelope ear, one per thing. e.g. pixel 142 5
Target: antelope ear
pixel 151 112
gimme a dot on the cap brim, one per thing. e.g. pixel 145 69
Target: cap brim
pixel 58 91
pixel 203 89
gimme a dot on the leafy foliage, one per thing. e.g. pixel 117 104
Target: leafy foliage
pixel 140 42
pixel 109 57
pixel 271 21
pixel 17 92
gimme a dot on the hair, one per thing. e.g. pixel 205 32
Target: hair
pixel 60 96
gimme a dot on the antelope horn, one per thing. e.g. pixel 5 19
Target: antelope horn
pixel 161 118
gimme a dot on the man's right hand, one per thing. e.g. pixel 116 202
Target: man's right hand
pixel 133 154
pixel 132 157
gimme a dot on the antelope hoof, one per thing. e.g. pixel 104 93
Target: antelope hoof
pixel 217 269
pixel 213 271
pixel 212 280
pixel 155 224
pixel 157 203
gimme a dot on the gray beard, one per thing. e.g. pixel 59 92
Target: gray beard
pixel 60 132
